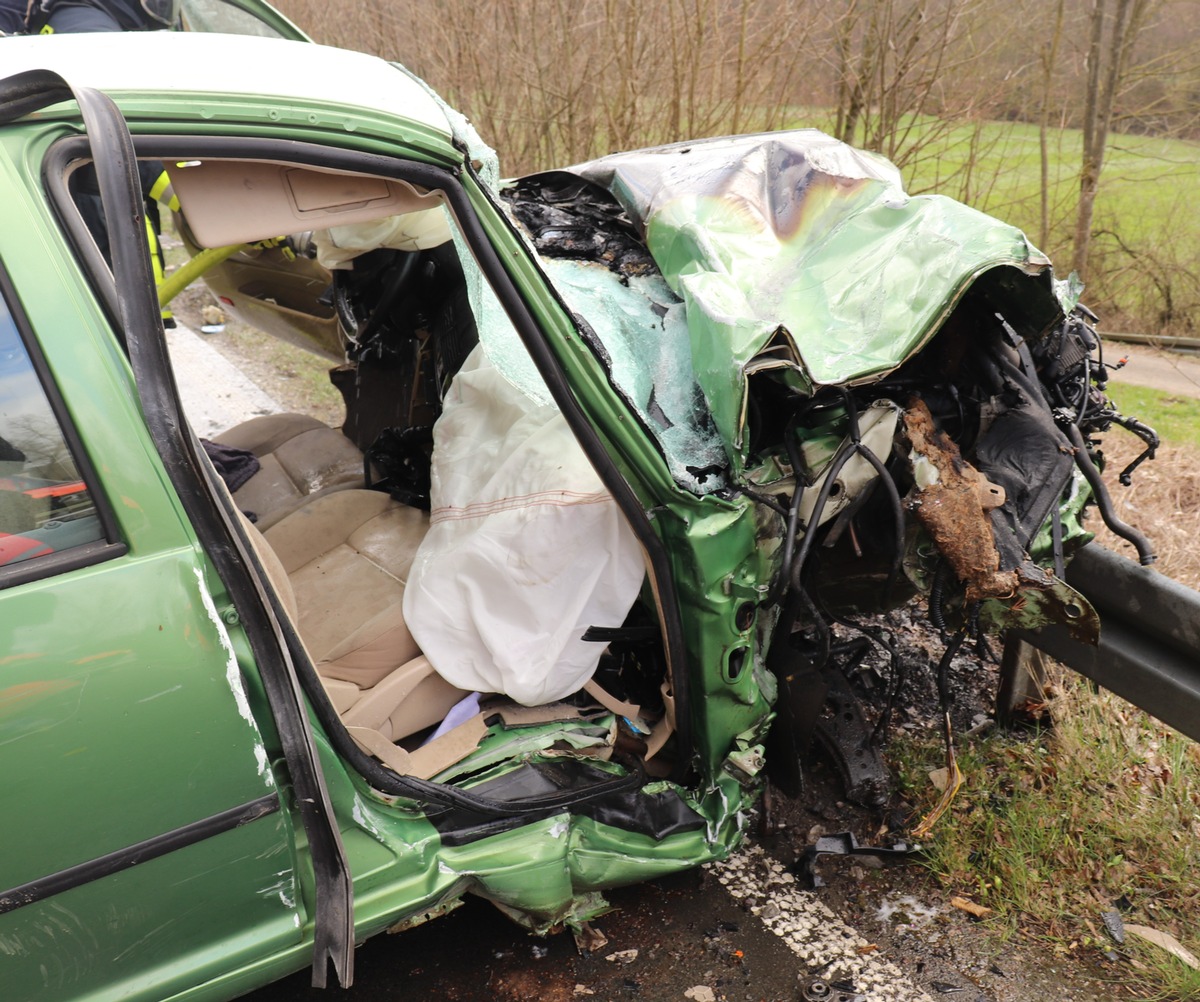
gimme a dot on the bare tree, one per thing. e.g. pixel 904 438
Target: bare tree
pixel 928 83
pixel 1049 60
pixel 1114 29
pixel 899 71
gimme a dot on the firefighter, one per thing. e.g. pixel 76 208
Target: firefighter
pixel 76 16
pixel 49 17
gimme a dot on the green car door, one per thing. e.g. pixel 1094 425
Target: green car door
pixel 146 847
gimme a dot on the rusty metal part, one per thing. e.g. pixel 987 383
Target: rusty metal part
pixel 1042 598
pixel 947 501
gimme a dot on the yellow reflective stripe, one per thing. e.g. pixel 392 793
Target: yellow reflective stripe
pixel 156 262
pixel 46 30
pixel 155 255
pixel 162 192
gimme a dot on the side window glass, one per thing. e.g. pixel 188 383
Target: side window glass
pixel 224 18
pixel 45 507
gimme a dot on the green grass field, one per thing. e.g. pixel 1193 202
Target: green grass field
pixel 1176 419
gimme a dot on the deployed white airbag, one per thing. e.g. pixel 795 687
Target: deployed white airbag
pixel 338 246
pixel 525 550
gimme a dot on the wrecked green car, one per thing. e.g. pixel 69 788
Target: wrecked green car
pixel 620 442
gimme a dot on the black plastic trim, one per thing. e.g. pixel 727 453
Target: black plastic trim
pixel 140 852
pixel 54 179
pixel 656 816
pixel 60 562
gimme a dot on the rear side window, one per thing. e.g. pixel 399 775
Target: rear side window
pixel 45 507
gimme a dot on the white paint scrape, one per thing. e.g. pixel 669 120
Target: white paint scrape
pixel 818 937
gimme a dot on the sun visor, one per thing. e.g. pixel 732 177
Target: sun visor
pixel 239 201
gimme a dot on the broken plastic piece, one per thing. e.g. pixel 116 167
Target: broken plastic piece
pixel 845 844
pixel 1115 926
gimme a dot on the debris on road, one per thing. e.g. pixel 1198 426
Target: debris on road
pixel 845 844
pixel 622 957
pixel 969 906
pixel 827 946
pixel 589 939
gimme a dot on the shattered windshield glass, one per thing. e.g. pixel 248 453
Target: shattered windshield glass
pixel 641 328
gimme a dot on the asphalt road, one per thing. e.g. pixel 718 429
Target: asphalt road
pixel 1163 370
pixel 742 930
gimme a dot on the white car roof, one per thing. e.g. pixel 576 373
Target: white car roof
pixel 165 61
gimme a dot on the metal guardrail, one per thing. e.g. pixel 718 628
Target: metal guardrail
pixel 1188 344
pixel 1149 650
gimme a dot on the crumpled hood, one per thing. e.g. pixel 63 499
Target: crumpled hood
pixel 795 251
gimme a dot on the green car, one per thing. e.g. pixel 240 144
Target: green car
pixel 620 443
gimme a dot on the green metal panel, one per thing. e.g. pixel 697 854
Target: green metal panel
pixel 159 928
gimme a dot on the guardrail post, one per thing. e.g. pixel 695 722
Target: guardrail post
pixel 1022 681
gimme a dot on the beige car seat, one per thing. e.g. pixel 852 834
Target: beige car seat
pixel 300 457
pixel 339 563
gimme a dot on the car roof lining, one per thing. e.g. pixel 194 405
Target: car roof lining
pixel 239 201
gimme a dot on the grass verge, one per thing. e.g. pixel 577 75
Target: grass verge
pixel 1175 418
pixel 1101 810
pixel 1101 813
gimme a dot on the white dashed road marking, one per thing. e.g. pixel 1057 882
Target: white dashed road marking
pixel 811 930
